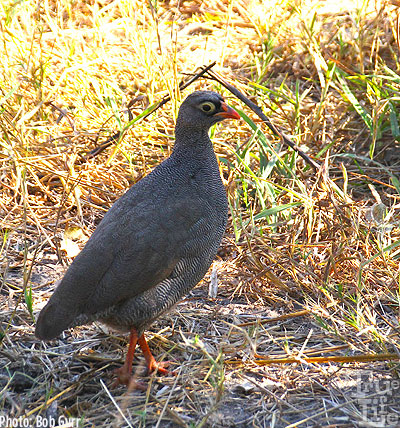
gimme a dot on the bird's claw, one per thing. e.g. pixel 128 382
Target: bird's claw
pixel 159 367
pixel 123 377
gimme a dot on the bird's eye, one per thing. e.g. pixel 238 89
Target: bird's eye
pixel 208 107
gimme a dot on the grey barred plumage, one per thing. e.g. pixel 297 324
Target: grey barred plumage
pixel 156 242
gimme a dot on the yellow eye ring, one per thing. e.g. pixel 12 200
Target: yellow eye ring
pixel 208 107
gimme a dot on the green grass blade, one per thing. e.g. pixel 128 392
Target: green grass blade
pixel 366 117
pixel 275 210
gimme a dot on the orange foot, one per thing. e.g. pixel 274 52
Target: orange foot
pixel 151 363
pixel 155 366
pixel 123 377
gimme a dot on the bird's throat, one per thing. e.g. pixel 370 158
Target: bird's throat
pixel 192 139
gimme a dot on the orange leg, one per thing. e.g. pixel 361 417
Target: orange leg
pixel 151 363
pixel 124 373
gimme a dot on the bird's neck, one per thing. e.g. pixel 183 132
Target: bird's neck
pixel 192 139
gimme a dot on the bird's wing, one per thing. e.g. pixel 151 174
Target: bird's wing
pixel 143 252
pixel 137 245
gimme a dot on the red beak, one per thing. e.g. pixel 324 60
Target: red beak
pixel 228 112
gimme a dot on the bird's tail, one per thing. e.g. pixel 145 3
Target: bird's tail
pixel 53 320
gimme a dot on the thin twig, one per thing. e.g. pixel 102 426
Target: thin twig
pixel 330 359
pixel 276 319
pixel 118 135
pixel 258 111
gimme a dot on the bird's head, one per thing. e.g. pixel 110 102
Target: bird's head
pixel 202 109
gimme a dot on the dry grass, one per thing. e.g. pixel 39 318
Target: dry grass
pixel 310 264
